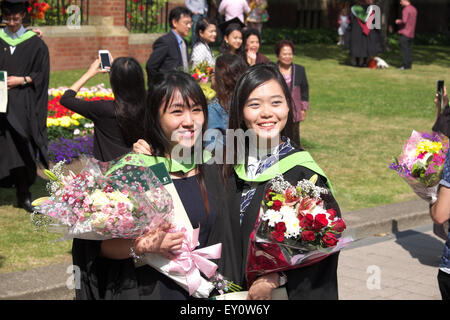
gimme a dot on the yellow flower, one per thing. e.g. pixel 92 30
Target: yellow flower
pixel 52 122
pixel 77 116
pixel 65 121
pixel 428 146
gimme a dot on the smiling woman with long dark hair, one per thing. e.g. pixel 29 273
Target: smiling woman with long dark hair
pixel 262 103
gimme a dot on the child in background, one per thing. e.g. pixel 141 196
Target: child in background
pixel 343 24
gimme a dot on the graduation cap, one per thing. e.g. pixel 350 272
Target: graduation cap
pixel 14 6
pixel 232 24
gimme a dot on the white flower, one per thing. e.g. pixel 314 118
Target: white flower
pixel 99 199
pixel 76 132
pixel 292 227
pixel 273 216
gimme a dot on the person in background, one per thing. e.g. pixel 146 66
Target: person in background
pixel 295 77
pixel 234 8
pixel 440 214
pixel 118 124
pixel 363 41
pixel 229 67
pixel 23 128
pixel 343 24
pixel 258 15
pixel 199 10
pixel 407 26
pixel 201 51
pixel 251 44
pixel 232 36
pixel 170 50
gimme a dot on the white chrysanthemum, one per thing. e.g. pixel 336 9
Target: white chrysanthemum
pixel 292 227
pixel 288 212
pixel 99 199
pixel 273 216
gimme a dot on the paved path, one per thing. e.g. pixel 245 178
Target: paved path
pixel 403 266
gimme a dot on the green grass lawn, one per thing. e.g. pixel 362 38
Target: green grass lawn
pixel 359 119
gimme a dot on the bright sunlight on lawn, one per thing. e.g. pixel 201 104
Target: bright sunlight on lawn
pixel 359 119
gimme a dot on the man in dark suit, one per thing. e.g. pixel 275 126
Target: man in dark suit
pixel 170 51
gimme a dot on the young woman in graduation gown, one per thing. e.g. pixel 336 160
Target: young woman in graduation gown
pixel 23 128
pixel 262 102
pixel 176 114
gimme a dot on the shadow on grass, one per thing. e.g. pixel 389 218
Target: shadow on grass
pixel 2 261
pixel 8 195
pixel 423 55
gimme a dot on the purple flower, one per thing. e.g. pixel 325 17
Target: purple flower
pixel 70 149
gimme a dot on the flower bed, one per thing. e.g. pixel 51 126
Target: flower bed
pixel 69 133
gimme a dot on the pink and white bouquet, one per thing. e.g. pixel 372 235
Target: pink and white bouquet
pixel 422 162
pixel 118 199
pixel 294 229
pixel 92 206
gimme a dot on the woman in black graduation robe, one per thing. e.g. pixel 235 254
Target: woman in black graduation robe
pixel 23 129
pixel 317 281
pixel 107 278
pixel 362 47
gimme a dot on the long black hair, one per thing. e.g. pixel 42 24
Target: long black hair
pixel 254 77
pixel 160 95
pixel 128 86
pixel 202 24
pixel 224 47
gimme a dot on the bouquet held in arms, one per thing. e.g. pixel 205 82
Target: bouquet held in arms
pixel 92 206
pixel 120 200
pixel 294 229
pixel 421 163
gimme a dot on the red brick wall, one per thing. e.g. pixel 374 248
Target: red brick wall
pixel 109 8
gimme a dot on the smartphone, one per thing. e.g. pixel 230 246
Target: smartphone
pixel 105 60
pixel 440 92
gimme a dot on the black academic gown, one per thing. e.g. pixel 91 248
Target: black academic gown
pixel 318 281
pixel 109 279
pixel 23 129
pixel 360 45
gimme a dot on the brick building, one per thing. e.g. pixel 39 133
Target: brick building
pixel 106 28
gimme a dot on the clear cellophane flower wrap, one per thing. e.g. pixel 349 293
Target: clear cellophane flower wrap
pixel 293 229
pixel 191 268
pixel 422 162
pixel 92 206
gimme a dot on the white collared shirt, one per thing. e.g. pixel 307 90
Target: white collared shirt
pixel 14 35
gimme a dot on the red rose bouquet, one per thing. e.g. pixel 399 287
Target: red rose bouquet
pixel 294 229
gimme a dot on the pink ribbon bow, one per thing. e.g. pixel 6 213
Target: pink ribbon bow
pixel 190 262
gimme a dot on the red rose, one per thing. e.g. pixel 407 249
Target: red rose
pixel 329 239
pixel 320 221
pixel 280 227
pixel 339 225
pixel 308 236
pixel 307 221
pixel 278 234
pixel 332 213
pixel 277 205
